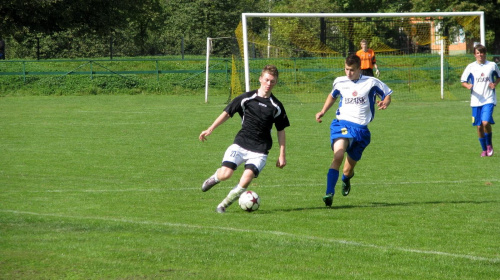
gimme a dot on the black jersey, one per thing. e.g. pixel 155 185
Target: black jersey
pixel 258 115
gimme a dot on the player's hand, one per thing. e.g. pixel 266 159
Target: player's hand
pixel 281 162
pixel 492 86
pixel 204 134
pixel 381 105
pixel 377 73
pixel 319 116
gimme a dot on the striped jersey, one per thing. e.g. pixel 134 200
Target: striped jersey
pixel 258 115
pixel 480 76
pixel 358 98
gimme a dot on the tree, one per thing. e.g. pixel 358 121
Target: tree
pixel 62 22
pixel 48 16
pixel 196 20
pixel 158 26
pixel 491 8
pixel 492 17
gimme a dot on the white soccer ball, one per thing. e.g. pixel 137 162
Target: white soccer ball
pixel 249 201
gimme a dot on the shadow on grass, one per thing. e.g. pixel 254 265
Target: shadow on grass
pixel 379 204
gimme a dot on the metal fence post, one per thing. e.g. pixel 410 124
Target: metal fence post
pixel 182 46
pixel 91 71
pixel 111 46
pixel 24 72
pixel 157 71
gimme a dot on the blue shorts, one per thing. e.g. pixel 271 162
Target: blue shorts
pixel 482 114
pixel 359 137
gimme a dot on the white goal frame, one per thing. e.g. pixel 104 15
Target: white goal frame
pixel 207 63
pixel 244 17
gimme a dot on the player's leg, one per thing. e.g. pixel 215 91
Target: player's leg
pixel 221 174
pixel 482 140
pixel 347 174
pixel 235 193
pixel 487 120
pixel 361 140
pixel 255 162
pixel 477 121
pixel 488 136
pixel 232 158
pixel 339 148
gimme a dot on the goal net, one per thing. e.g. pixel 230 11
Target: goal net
pixel 420 55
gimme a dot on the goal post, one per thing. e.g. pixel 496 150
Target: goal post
pixel 207 63
pixel 435 26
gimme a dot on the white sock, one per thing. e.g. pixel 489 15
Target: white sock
pixel 232 196
pixel 215 176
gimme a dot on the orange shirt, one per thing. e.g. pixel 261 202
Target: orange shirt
pixel 367 58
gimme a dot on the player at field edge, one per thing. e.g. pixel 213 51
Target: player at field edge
pixel 349 133
pixel 481 77
pixel 368 61
pixel 259 110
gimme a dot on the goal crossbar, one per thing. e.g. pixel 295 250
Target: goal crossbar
pixel 244 17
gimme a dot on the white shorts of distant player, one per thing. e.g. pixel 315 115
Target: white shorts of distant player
pixel 236 155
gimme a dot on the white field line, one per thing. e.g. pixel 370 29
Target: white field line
pixel 301 185
pixel 267 232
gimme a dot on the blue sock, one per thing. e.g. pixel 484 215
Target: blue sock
pixel 482 141
pixel 488 137
pixel 345 178
pixel 331 181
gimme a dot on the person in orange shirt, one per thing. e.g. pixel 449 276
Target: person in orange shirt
pixel 368 61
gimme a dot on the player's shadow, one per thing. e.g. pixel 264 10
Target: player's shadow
pixel 381 204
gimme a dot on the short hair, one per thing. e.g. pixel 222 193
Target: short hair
pixel 353 60
pixel 270 69
pixel 363 41
pixel 480 48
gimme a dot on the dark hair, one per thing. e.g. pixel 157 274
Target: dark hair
pixel 353 60
pixel 271 69
pixel 480 48
pixel 364 41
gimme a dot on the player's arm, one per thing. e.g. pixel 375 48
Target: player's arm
pixel 282 143
pixel 466 77
pixel 383 104
pixel 374 62
pixel 330 100
pixel 220 120
pixel 495 83
pixel 467 85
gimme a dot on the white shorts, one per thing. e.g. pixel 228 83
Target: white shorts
pixel 236 155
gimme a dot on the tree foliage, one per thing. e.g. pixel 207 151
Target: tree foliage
pixel 76 28
pixel 490 8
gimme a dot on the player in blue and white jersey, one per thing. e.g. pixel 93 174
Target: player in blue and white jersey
pixel 259 110
pixel 481 77
pixel 349 132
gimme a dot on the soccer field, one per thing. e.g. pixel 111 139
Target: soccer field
pixel 108 187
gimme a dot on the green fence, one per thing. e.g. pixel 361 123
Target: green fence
pixel 158 75
pixel 121 67
pixel 301 79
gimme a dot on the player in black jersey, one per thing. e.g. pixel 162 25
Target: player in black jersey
pixel 259 110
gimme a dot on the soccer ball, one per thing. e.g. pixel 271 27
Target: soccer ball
pixel 249 201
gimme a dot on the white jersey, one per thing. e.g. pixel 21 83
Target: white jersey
pixel 357 98
pixel 480 76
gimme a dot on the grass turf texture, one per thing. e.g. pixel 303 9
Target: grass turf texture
pixel 108 187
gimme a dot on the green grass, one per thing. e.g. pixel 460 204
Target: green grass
pixel 108 187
